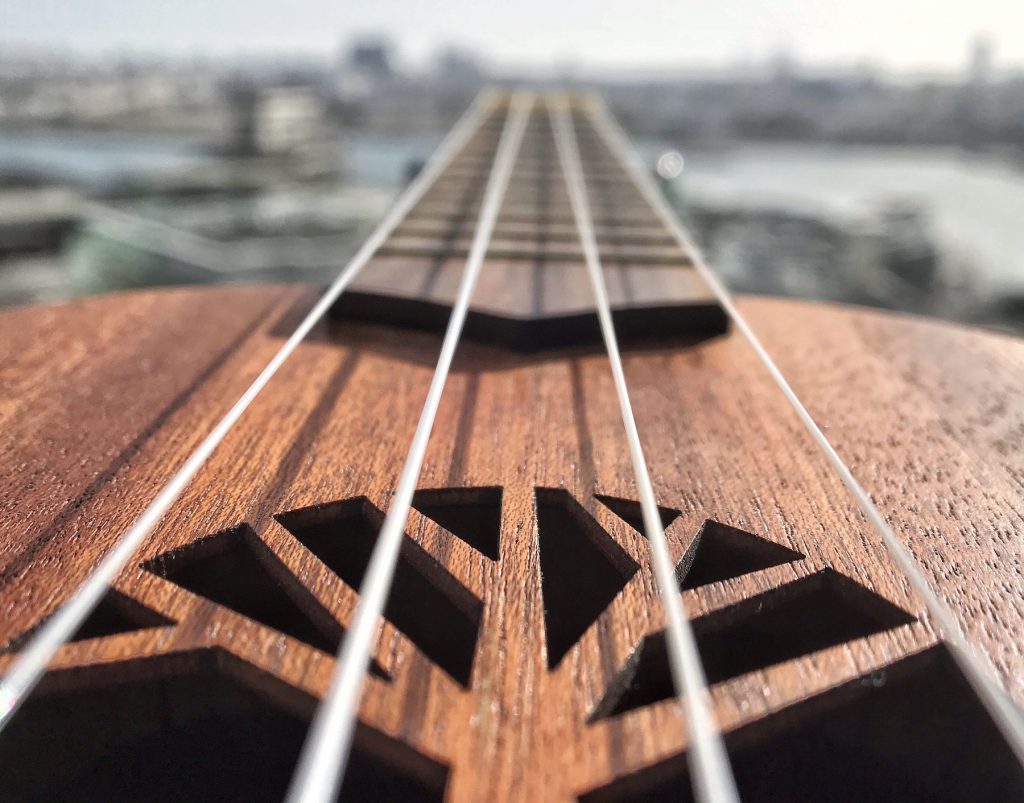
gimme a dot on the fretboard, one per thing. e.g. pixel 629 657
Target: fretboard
pixel 537 295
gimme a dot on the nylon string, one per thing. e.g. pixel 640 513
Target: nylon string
pixel 324 755
pixel 31 663
pixel 712 776
pixel 996 701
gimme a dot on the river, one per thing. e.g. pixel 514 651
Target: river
pixel 973 204
pixel 92 158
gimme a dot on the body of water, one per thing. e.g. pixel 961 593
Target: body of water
pixel 383 160
pixel 972 205
pixel 93 158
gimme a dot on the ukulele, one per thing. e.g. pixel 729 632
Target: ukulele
pixel 523 507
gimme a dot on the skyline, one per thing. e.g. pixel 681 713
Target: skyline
pixel 907 36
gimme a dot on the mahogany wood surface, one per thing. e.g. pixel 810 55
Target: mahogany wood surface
pixel 103 398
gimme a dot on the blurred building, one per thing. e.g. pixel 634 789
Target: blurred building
pixel 288 118
pixel 365 68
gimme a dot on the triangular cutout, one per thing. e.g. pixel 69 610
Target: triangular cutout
pixel 720 552
pixel 582 570
pixel 116 613
pixel 438 614
pixel 234 568
pixel 195 725
pixel 629 512
pixel 472 514
pixel 913 731
pixel 816 612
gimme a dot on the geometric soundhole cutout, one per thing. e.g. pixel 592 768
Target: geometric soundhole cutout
pixel 472 514
pixel 190 726
pixel 802 617
pixel 629 512
pixel 429 606
pixel 114 614
pixel 720 552
pixel 582 570
pixel 914 731
pixel 236 570
pixel 117 613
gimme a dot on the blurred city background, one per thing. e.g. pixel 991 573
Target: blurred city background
pixel 873 155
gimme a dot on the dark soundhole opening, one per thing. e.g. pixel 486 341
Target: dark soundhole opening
pixel 472 514
pixel 807 615
pixel 582 570
pixel 912 732
pixel 235 569
pixel 437 613
pixel 116 613
pixel 181 728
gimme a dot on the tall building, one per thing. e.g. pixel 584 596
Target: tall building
pixel 371 58
pixel 365 66
pixel 980 58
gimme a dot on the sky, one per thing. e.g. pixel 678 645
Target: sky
pixel 898 35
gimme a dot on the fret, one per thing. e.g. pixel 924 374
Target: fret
pixel 525 251
pixel 550 232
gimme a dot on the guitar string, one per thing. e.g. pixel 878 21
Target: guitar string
pixel 329 740
pixel 61 626
pixel 712 777
pixel 996 701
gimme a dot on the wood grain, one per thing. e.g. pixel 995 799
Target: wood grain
pixel 99 410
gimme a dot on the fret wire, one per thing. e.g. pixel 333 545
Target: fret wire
pixel 61 626
pixel 329 741
pixel 997 702
pixel 712 776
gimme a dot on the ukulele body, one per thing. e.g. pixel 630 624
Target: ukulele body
pixel 522 653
